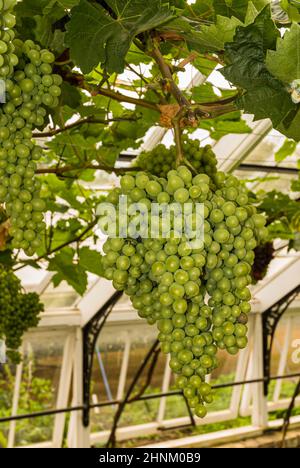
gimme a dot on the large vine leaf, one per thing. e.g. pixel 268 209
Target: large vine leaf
pixel 287 149
pixel 67 269
pixel 290 127
pixel 94 36
pixel 284 63
pixel 264 95
pixel 254 8
pixel 31 7
pixel 225 124
pixel 229 8
pixel 37 19
pixel 212 38
pixel 66 4
pixel 291 10
pixel 90 260
pixel 200 8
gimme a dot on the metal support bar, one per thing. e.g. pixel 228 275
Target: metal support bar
pixel 287 418
pixel 90 335
pixel 152 396
pixel 271 319
pixel 261 168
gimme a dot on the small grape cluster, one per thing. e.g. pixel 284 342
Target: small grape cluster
pixel 264 254
pixel 161 160
pixel 197 294
pixel 18 312
pixel 30 87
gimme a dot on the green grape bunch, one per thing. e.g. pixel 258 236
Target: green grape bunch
pixel 18 312
pixel 8 58
pixel 198 296
pixel 161 160
pixel 31 89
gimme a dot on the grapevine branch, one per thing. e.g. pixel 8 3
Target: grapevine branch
pixel 206 110
pixel 167 74
pixel 77 238
pixel 80 122
pixel 189 112
pixel 117 96
pixel 178 141
pixel 188 60
pixel 60 171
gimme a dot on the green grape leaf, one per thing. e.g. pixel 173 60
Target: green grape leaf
pixel 268 102
pixel 74 147
pixel 204 93
pixel 225 124
pixel 90 260
pixel 264 95
pixel 37 17
pixel 94 36
pixel 31 8
pixel 295 185
pixel 66 4
pixel 199 8
pixel 57 41
pixel 43 30
pixel 284 63
pixel 212 38
pixel 67 269
pixel 290 126
pixel 287 149
pixel 64 231
pixel 229 8
pixel 207 93
pixel 291 10
pixel 205 66
pixel 254 8
pixel 6 258
pixel 135 56
pixel 70 96
pixel 108 154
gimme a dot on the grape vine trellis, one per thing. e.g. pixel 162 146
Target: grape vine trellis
pixel 63 65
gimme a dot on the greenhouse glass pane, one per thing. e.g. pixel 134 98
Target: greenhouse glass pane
pixel 61 297
pixel 124 346
pixel 294 350
pixel 43 353
pixel 287 329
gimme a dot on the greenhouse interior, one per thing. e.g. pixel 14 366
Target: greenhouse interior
pixel 149 224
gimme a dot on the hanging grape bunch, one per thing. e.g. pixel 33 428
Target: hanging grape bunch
pixel 264 254
pixel 198 297
pixel 161 160
pixel 18 312
pixel 30 88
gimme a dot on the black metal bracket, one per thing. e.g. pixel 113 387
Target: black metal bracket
pixel 271 318
pixel 288 414
pixel 91 333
